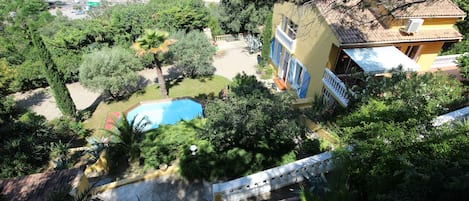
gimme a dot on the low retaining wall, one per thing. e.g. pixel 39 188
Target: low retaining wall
pixel 272 179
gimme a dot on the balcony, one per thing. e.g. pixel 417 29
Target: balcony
pixel 285 40
pixel 335 88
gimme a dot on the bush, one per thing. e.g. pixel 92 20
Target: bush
pixel 68 127
pixel 163 145
pixel 463 63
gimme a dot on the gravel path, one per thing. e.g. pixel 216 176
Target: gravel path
pixel 232 59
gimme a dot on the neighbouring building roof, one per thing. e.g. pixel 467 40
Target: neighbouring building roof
pixel 431 8
pixel 365 27
pixel 37 187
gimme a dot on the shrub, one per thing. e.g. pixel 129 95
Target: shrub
pixel 163 145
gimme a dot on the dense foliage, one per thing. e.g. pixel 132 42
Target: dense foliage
pixel 249 131
pixel 463 63
pixel 110 70
pixel 15 43
pixel 168 141
pixel 129 135
pixel 244 15
pixel 463 27
pixel 26 139
pixel 193 54
pixel 396 152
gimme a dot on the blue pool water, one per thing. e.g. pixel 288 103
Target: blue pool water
pixel 169 112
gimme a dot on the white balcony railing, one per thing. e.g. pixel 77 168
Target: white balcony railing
pixel 285 40
pixel 336 88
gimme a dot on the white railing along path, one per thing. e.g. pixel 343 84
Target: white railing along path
pixel 272 179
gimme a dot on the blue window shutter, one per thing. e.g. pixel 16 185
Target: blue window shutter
pixel 272 47
pixel 292 70
pixel 304 86
pixel 277 54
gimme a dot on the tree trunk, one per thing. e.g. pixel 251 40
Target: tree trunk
pixel 159 73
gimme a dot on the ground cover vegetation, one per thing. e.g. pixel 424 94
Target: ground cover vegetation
pixel 396 152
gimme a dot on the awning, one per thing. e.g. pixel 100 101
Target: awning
pixel 381 59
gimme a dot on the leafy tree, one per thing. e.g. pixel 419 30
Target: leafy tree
pixel 128 22
pixel 15 45
pixel 253 123
pixel 192 15
pixel 111 70
pixel 243 15
pixel 201 52
pixel 396 153
pixel 54 77
pixel 214 19
pixel 154 42
pixel 68 40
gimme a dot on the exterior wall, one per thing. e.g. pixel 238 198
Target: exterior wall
pixel 313 41
pixel 427 54
pixel 428 23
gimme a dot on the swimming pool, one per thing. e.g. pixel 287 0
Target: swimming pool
pixel 167 112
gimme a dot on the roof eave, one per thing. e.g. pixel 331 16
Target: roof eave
pixel 442 16
pixel 398 41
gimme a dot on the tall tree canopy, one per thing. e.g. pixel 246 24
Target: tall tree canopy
pixel 252 119
pixel 193 54
pixel 396 152
pixel 110 70
pixel 244 15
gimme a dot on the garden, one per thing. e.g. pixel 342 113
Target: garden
pixel 396 153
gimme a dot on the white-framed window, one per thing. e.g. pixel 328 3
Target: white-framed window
pixel 289 27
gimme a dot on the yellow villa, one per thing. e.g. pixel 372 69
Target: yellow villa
pixel 315 45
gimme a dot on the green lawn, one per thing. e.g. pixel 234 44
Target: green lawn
pixel 186 87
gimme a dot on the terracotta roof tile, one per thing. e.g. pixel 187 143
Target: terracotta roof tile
pixel 36 187
pixel 364 27
pixel 433 8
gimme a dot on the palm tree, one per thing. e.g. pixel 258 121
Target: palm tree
pixel 130 134
pixel 154 41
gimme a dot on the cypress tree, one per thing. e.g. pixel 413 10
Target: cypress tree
pixel 267 35
pixel 53 76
